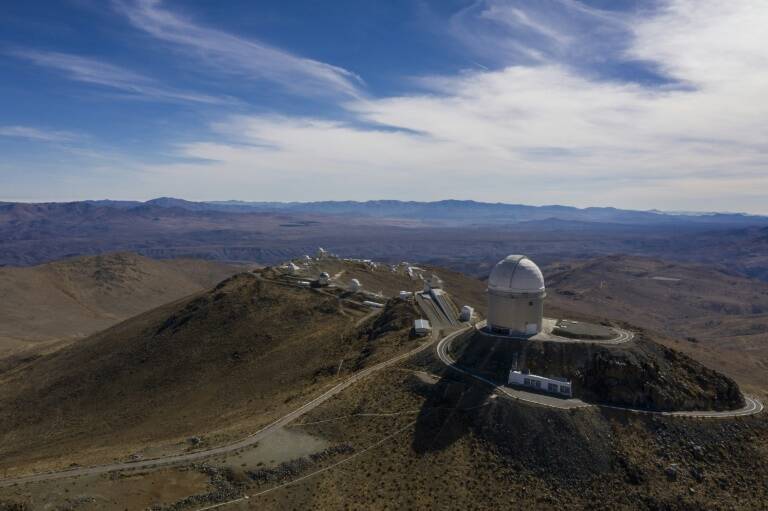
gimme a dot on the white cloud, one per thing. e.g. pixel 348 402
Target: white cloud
pixel 37 134
pixel 233 54
pixel 707 43
pixel 534 134
pixel 95 72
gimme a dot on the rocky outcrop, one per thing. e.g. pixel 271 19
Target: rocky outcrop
pixel 639 374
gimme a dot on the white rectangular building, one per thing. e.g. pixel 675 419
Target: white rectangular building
pixel 553 385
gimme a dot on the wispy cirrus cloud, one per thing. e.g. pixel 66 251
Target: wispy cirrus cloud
pixel 567 32
pixel 231 54
pixel 96 72
pixel 545 132
pixel 38 134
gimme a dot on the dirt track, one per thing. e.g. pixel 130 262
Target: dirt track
pixel 207 453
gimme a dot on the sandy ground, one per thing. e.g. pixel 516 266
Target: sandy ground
pixel 283 445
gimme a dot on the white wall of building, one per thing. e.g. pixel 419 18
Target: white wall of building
pixel 542 383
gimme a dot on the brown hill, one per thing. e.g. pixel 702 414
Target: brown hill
pixel 76 297
pixel 416 435
pixel 718 317
pixel 219 364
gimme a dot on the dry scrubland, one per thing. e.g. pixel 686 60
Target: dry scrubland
pixel 435 441
pixel 218 365
pixel 51 304
pixel 456 448
pixel 717 317
pixel 223 363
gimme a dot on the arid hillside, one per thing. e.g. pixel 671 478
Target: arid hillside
pixel 76 297
pixel 216 365
pixel 442 442
pixel 719 318
pixel 220 365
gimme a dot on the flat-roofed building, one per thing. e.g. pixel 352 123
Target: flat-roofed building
pixel 551 385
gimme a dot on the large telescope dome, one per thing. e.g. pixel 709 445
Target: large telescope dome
pixel 516 297
pixel 516 274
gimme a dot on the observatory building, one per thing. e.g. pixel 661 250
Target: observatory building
pixel 516 297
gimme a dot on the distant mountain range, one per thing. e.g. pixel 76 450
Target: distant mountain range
pixel 445 212
pixel 465 235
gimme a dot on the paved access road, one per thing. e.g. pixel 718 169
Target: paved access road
pixel 752 405
pixel 443 348
pixel 546 334
pixel 207 453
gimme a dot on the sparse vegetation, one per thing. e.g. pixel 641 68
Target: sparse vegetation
pixel 219 365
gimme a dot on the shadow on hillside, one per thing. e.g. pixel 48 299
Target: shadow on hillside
pixel 452 406
pixel 563 446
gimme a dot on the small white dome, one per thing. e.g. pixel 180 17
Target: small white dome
pixel 516 274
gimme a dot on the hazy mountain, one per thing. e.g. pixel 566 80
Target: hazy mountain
pixel 467 212
pixel 464 235
pixel 444 212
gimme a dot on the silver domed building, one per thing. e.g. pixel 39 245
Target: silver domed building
pixel 516 297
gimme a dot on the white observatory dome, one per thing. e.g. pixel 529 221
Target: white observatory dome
pixel 516 274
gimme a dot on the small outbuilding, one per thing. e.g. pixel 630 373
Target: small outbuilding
pixel 355 285
pixel 467 313
pixel 422 327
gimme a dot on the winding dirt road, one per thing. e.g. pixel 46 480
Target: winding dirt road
pixel 753 406
pixel 225 449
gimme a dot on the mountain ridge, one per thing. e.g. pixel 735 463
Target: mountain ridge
pixel 452 211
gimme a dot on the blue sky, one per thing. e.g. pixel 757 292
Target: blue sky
pixel 637 104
